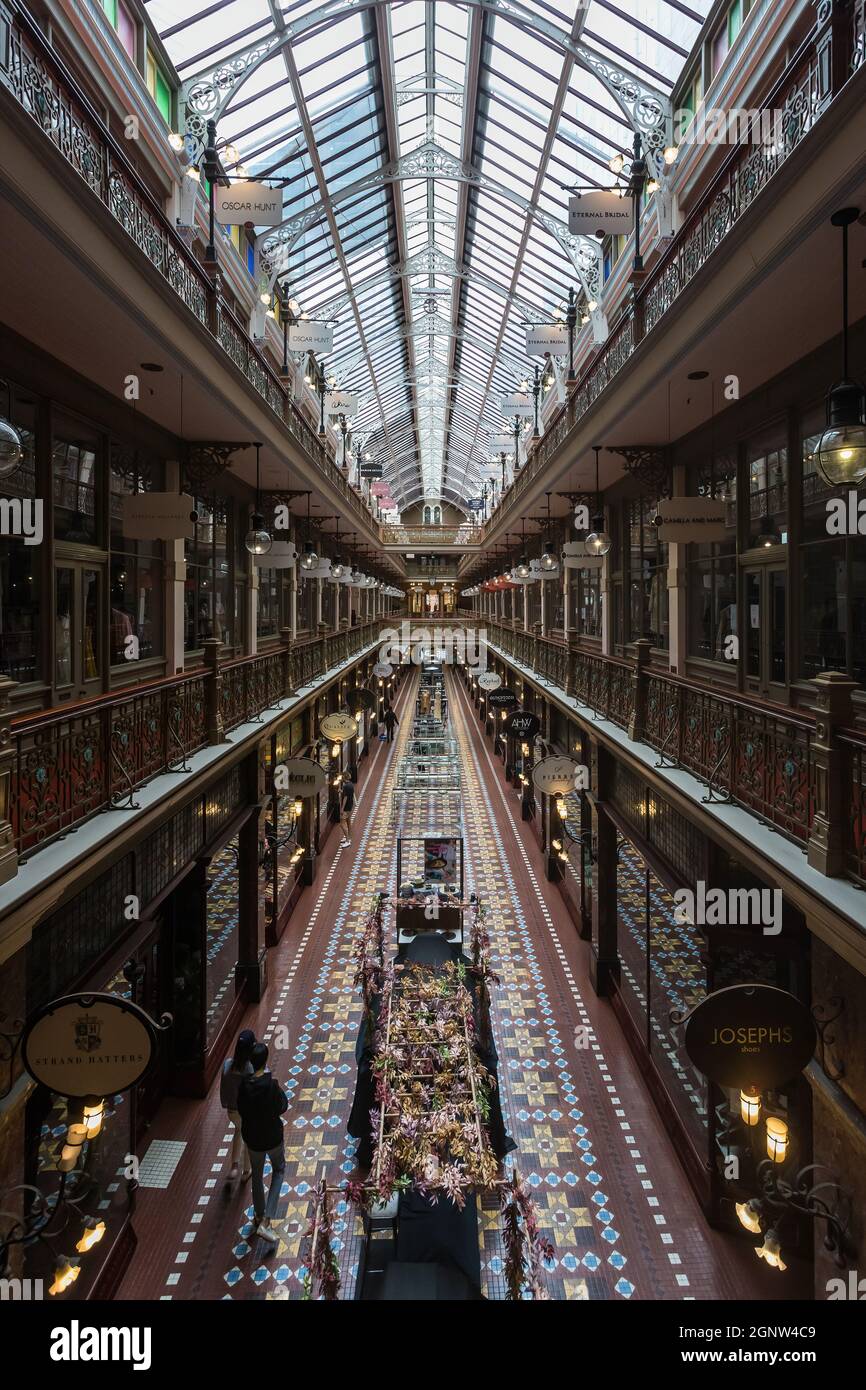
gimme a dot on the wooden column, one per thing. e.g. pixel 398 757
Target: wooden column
pixel 831 825
pixel 603 963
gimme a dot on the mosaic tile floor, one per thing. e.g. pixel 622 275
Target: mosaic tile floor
pixel 611 1192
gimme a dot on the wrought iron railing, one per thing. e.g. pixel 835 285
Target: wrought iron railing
pixel 69 764
pixel 44 88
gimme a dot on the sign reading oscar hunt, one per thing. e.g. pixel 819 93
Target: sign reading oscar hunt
pixel 338 727
pixel 749 1035
pixel 556 776
pixel 248 201
pixel 489 680
pixel 503 699
pixel 300 777
pixel 88 1045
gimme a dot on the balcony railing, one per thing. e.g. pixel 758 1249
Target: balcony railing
pixel 431 536
pixel 818 70
pixel 39 82
pixel 766 760
pixel 68 764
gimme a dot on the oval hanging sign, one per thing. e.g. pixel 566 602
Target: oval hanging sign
pixel 503 699
pixel 338 727
pixel 88 1045
pixel 300 777
pixel 383 670
pixel 521 724
pixel 750 1035
pixel 556 776
pixel 489 680
pixel 360 699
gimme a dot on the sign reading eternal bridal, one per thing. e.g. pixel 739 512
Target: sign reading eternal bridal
pixel 88 1045
pixel 600 213
pixel 248 202
pixel 750 1035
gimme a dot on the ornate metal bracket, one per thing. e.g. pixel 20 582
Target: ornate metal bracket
pixel 821 1201
pixel 649 464
pixel 205 460
pixel 9 1046
pixel 825 1015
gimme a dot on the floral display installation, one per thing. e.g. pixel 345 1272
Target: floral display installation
pixel 322 1277
pixel 526 1249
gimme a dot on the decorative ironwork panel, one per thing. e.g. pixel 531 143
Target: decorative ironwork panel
pixel 59 778
pixel 662 715
pixel 856 847
pixel 705 742
pixel 774 773
pixel 621 695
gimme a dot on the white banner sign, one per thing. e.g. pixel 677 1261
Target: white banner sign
pixel 501 443
pixel 556 776
pixel 308 335
pixel 600 212
pixel 518 403
pixel 248 202
pixel 158 516
pixel 692 519
pixel 341 403
pixel 576 557
pixel 281 556
pixel 547 339
pixel 489 680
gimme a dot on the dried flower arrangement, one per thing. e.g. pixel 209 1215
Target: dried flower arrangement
pixel 432 1091
pixel 369 955
pixel 323 1272
pixel 526 1248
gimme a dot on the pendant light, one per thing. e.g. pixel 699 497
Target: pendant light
pixel 523 570
pixel 258 541
pixel 768 534
pixel 841 451
pixel 548 559
pixel 309 559
pixel 11 450
pixel 338 569
pixel 598 542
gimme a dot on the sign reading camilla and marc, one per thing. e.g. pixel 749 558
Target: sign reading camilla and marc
pixel 749 1035
pixel 88 1045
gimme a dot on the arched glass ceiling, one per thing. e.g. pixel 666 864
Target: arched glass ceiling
pixel 359 86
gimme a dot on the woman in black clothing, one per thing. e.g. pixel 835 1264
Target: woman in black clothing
pixel 347 804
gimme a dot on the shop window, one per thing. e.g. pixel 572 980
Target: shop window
pixel 136 567
pixel 645 562
pixel 209 591
pixel 711 569
pixel 76 456
pixel 329 603
pixel 268 621
pixel 20 564
pixel 306 603
pixel 223 917
pixel 584 599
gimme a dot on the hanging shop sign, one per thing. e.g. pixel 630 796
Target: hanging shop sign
pixel 521 724
pixel 342 403
pixel 685 519
pixel 282 555
pixel 309 335
pixel 360 699
pixel 475 504
pixel 300 777
pixel 89 1045
pixel 159 516
pixel 547 340
pixel 576 557
pixel 249 201
pixel 383 670
pixel 750 1035
pixel 556 776
pixel 600 213
pixel 489 680
pixel 500 444
pixel 518 403
pixel 338 727
pixel 502 698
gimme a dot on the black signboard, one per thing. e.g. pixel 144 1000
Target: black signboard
pixel 360 699
pixel 750 1035
pixel 371 470
pixel 503 698
pixel 521 724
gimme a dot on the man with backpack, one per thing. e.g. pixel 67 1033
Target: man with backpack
pixel 261 1102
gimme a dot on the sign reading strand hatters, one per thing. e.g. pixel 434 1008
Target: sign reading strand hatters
pixel 88 1045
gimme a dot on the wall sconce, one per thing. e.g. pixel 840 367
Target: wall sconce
pixel 749 1215
pixel 335 750
pixel 771 1250
pixel 65 1274
pixel 93 1232
pixel 750 1105
pixel 561 808
pixel 504 715
pixel 297 808
pixel 777 1139
pixel 71 1151
pixel 94 1114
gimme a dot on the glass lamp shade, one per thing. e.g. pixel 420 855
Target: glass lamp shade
pixel 749 1215
pixel 258 541
pixel 598 542
pixel 841 451
pixel 768 534
pixel 338 569
pixel 309 559
pixel 548 559
pixel 11 452
pixel 771 1251
pixel 523 567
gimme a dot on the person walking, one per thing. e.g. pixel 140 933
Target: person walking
pixel 347 803
pixel 390 720
pixel 261 1102
pixel 235 1069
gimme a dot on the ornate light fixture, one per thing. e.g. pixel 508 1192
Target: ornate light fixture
pixel 309 559
pixel 841 450
pixel 11 449
pixel 258 540
pixel 598 542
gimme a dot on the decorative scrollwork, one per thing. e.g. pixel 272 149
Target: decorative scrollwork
pixel 206 461
pixel 648 463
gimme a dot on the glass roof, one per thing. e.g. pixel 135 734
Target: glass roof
pixel 430 277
